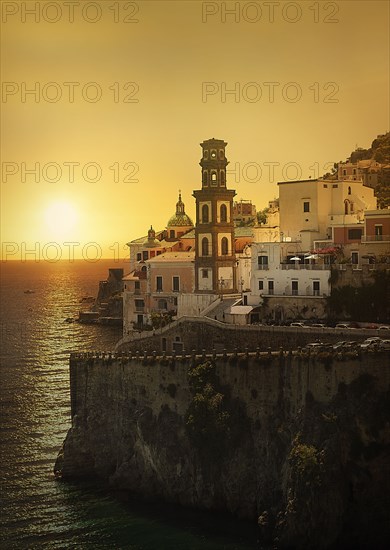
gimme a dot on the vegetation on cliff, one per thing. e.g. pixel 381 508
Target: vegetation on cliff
pixel 214 421
pixel 334 473
pixel 379 152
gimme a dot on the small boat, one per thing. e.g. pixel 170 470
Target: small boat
pixel 28 291
pixel 69 320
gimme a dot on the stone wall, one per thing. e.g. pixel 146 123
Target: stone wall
pixel 205 333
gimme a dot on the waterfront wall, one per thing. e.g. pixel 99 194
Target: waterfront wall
pixel 304 439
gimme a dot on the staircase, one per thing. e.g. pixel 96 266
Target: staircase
pixel 217 312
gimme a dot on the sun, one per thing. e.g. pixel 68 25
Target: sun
pixel 60 218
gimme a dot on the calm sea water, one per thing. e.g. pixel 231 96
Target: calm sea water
pixel 36 510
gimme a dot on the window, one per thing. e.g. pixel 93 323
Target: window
pixel 306 206
pixel 137 285
pixel 261 284
pixel 224 246
pixel 316 288
pixel 221 155
pixel 205 154
pixel 175 301
pixel 355 234
pixel 159 283
pixel 222 177
pixel 223 213
pixel 294 288
pixel 262 262
pixel 349 190
pixel 378 232
pixel 205 246
pixel 205 178
pixel 139 256
pixel 270 287
pixel 344 172
pixel 205 273
pixel 205 213
pixel 139 305
pixel 335 186
pixel 354 258
pixel 325 186
pixel 162 304
pixel 213 177
pixel 213 154
pixel 145 255
pixel 172 234
pixel 175 284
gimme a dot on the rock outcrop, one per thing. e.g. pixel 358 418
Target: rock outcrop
pixel 300 445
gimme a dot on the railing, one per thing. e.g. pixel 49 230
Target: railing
pixel 314 267
pixel 375 238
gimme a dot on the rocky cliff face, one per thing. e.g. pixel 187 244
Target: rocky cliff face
pixel 302 447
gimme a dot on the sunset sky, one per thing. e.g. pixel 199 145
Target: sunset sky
pixel 149 81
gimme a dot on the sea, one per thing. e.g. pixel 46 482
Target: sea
pixel 37 510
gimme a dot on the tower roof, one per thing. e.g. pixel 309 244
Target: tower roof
pixel 180 218
pixel 151 241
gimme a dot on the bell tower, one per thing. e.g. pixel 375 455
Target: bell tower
pixel 215 259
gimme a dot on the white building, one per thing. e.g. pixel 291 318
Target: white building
pixel 294 288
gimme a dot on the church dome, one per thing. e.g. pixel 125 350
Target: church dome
pixel 180 218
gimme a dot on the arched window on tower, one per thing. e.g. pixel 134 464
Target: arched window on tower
pixel 223 212
pixel 205 246
pixel 224 246
pixel 213 177
pixel 222 177
pixel 349 190
pixel 205 213
pixel 205 178
pixel 346 206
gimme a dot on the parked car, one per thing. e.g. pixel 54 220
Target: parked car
pixel 383 327
pixel 342 325
pixel 384 345
pixel 317 347
pixel 297 324
pixel 344 344
pixel 371 343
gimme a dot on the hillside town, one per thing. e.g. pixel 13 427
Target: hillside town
pixel 318 253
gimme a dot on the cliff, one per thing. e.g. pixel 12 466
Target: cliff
pixel 300 445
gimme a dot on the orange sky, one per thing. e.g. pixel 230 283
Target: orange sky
pixel 329 68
